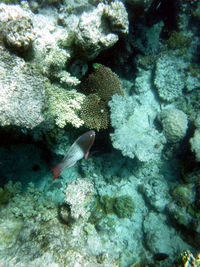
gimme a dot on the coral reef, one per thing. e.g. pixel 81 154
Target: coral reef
pixel 78 195
pixel 183 195
pixel 134 133
pixel 22 92
pixel 174 123
pixel 169 77
pixel 138 205
pixel 63 106
pixel 16 28
pixel 103 82
pixel 94 113
pixel 186 258
pixel 98 29
pixel 195 144
pixel 18 34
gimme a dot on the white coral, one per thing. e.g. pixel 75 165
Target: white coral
pixel 175 123
pixel 94 35
pixel 78 195
pixel 195 144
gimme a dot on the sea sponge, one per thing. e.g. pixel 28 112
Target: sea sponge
pixel 104 82
pixel 175 124
pixel 94 113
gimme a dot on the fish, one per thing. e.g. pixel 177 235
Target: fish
pixel 79 149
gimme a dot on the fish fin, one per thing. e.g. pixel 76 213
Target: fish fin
pixel 56 171
pixel 86 155
pixel 72 164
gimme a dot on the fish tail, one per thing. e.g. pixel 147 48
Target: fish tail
pixel 56 171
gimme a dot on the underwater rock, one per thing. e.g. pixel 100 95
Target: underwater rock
pixel 22 96
pixel 99 29
pixel 174 123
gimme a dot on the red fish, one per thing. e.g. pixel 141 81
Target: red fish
pixel 77 151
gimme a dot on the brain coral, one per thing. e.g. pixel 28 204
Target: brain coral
pixel 16 27
pixel 94 113
pixel 175 123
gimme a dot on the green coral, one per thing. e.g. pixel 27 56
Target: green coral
pixel 178 41
pixel 63 106
pixel 194 69
pixel 122 206
pixel 10 2
pixel 33 205
pixel 8 192
pixel 194 211
pixel 94 113
pixel 182 195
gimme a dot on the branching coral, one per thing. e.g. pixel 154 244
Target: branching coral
pixel 63 106
pixel 94 113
